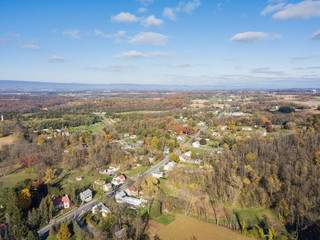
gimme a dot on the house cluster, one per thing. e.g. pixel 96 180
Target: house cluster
pixel 111 170
pixel 186 158
pixel 102 184
pixel 129 196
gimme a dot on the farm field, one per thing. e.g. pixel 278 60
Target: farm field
pixel 7 140
pixel 188 227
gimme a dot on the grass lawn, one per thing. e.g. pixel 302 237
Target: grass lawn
pixel 167 188
pixel 96 128
pixel 11 180
pixel 134 171
pixel 252 216
pixel 165 219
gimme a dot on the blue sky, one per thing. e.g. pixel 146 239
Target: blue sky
pixel 226 43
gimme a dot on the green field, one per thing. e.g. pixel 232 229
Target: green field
pixel 13 179
pixel 134 171
pixel 96 128
pixel 167 188
pixel 165 219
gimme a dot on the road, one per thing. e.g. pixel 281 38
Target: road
pixel 88 206
pixel 197 134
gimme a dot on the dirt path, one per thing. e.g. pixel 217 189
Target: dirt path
pixel 7 140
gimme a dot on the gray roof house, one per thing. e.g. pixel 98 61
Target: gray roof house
pixel 86 196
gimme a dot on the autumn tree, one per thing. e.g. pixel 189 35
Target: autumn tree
pixel 174 157
pixel 25 198
pixel 50 176
pixel 64 232
pixel 107 137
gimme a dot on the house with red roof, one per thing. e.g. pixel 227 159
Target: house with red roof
pixel 118 180
pixel 61 202
pixel 131 191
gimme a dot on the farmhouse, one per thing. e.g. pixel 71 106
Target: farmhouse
pixel 60 203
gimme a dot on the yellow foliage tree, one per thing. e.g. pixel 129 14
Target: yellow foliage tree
pixel 107 138
pixel 25 198
pixel 50 176
pixel 64 232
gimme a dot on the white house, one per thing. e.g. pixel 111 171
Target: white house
pixel 134 201
pixel 181 138
pixel 101 208
pixel 169 166
pixel 188 154
pixel 126 135
pixel 223 128
pixel 113 168
pixel 86 196
pixel 216 134
pixel 119 196
pixel 78 178
pixel 133 136
pixel 166 151
pixel 196 144
pixel 247 129
pixel 118 180
pixel 200 124
pixel 107 187
pixel 158 174
pixel 99 182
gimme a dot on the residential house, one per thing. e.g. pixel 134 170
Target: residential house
pixel 113 168
pixel 86 196
pixel 107 187
pixel 126 135
pixel 134 201
pixel 223 128
pixel 188 154
pixel 118 180
pixel 101 208
pixel 158 174
pixel 169 166
pixel 166 151
pixel 131 191
pixel 196 144
pixel 133 136
pixel 99 182
pixel 151 160
pixel 201 124
pixel 61 203
pixel 247 129
pixel 78 178
pixel 120 196
pixel 216 134
pixel 182 138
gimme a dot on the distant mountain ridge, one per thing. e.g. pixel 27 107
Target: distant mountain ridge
pixel 7 85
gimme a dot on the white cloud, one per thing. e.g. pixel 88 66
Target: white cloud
pixel 254 36
pixel 302 10
pixel 316 35
pixel 169 13
pixel 272 8
pixel 187 7
pixel 149 38
pixel 55 58
pixel 266 70
pixel 135 54
pixel 146 2
pixel 142 10
pixel 176 65
pixel 151 21
pixel 114 35
pixel 124 17
pixel 31 47
pixel 73 34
